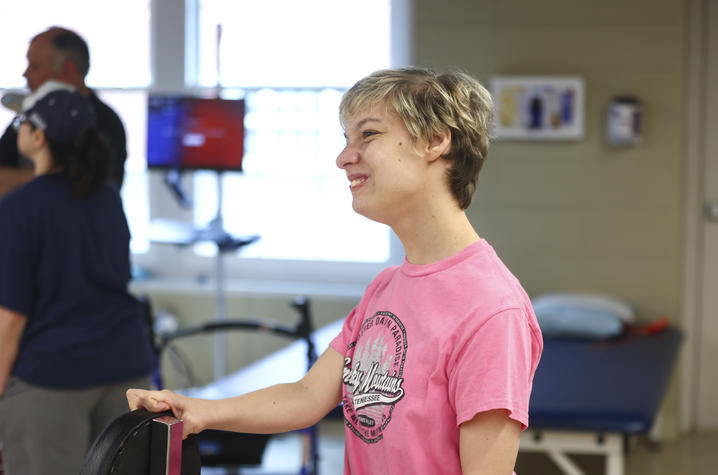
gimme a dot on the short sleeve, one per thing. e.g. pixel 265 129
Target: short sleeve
pixel 493 368
pixel 16 281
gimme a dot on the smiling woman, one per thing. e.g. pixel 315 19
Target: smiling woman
pixel 384 166
pixel 450 328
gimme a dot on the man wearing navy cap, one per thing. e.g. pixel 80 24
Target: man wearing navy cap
pixel 62 55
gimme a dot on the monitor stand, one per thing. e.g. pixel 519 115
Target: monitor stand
pixel 178 233
pixel 173 180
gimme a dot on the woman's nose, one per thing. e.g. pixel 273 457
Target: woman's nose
pixel 347 156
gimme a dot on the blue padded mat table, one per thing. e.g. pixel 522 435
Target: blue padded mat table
pixel 614 385
pixel 588 396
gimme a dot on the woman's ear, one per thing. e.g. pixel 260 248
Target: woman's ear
pixel 35 140
pixel 439 145
pixel 38 137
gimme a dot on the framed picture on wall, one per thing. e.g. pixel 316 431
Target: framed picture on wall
pixel 538 107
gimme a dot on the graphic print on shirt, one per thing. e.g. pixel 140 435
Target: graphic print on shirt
pixel 373 375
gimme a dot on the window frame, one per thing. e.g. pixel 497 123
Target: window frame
pixel 174 70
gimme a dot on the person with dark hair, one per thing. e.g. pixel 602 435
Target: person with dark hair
pixel 72 338
pixel 63 55
pixel 434 366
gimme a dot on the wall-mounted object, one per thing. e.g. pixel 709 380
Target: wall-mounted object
pixel 538 107
pixel 624 121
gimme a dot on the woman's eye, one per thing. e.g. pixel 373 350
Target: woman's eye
pixel 367 133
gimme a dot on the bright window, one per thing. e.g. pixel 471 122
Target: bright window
pixel 118 77
pixel 292 61
pixel 131 106
pixel 289 43
pixel 118 36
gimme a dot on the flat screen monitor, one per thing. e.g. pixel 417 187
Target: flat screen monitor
pixel 195 133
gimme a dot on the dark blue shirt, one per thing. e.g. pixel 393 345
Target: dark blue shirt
pixel 64 264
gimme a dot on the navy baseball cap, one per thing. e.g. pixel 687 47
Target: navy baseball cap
pixel 59 111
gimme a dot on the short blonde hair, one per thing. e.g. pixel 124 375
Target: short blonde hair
pixel 429 103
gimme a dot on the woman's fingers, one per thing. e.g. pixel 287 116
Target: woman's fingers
pixel 154 401
pixel 158 401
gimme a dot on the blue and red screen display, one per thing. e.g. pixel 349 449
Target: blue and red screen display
pixel 195 133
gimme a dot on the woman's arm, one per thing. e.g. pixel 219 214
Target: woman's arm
pixel 489 443
pixel 278 408
pixel 12 325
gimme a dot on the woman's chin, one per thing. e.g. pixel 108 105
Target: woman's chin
pixel 370 212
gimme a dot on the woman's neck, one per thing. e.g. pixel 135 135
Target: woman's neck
pixel 437 236
pixel 43 162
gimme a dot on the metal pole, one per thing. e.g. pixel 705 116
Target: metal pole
pixel 220 338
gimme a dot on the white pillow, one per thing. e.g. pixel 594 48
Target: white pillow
pixel 586 301
pixel 583 315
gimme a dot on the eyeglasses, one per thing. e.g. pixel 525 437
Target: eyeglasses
pixel 18 121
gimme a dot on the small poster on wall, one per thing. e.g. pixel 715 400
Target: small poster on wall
pixel 538 108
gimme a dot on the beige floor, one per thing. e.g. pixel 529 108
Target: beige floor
pixel 692 454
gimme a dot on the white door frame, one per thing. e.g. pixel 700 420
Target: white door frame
pixel 700 19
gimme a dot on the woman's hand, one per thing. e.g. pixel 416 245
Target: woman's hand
pixel 187 409
pixel 278 408
pixel 12 326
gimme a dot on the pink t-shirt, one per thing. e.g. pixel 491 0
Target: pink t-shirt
pixel 427 348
